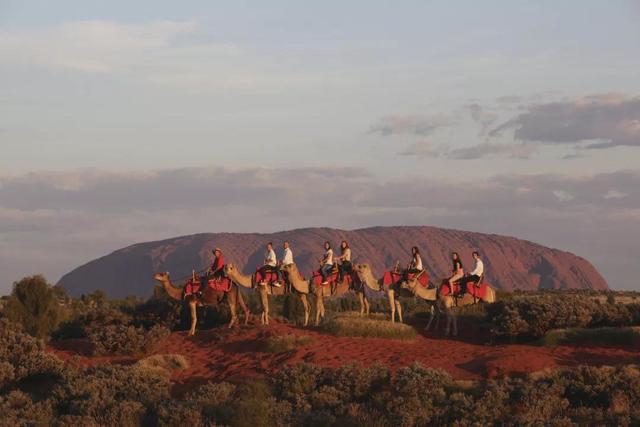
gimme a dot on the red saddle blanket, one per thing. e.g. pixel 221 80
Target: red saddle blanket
pixel 222 284
pixel 269 276
pixel 391 278
pixel 467 287
pixel 191 287
pixel 331 279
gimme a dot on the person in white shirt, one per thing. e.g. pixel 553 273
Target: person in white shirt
pixel 415 266
pixel 287 254
pixel 345 260
pixel 270 263
pixel 478 269
pixel 326 262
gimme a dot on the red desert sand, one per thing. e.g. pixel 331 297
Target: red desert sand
pixel 222 354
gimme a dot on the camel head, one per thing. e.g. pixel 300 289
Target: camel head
pixel 230 269
pixel 362 270
pixel 161 277
pixel 289 268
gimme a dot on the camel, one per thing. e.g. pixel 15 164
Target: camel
pixel 393 292
pixel 208 297
pixel 446 303
pixel 321 291
pixel 302 289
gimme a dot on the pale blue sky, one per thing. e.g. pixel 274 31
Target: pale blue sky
pixel 420 91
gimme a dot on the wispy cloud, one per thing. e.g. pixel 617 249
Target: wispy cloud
pixel 419 125
pixel 596 121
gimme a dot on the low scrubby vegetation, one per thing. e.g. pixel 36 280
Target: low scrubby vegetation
pixel 608 336
pixel 38 389
pixel 374 326
pixel 531 316
pixel 282 343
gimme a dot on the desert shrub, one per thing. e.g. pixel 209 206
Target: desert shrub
pixel 355 326
pixel 126 340
pixel 295 383
pixel 22 356
pixel 282 343
pixel 34 304
pixel 531 316
pixel 19 409
pixel 416 395
pixel 111 395
pixel 595 336
pixel 163 364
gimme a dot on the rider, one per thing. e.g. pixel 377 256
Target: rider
pixel 270 263
pixel 345 260
pixel 217 267
pixel 478 269
pixel 415 266
pixel 457 272
pixel 287 259
pixel 326 264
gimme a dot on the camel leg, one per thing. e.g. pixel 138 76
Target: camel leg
pixel 264 299
pixel 305 304
pixel 426 328
pixel 399 310
pixel 244 308
pixel 454 319
pixel 232 299
pixel 361 299
pixel 194 317
pixel 319 307
pixel 366 304
pixel 392 304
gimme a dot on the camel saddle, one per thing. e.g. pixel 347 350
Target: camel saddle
pixel 268 276
pixel 192 287
pixel 392 278
pixel 220 284
pixel 332 278
pixel 464 286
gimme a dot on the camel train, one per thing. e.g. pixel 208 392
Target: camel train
pixel 336 276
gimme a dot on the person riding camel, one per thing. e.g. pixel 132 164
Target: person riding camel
pixel 217 267
pixel 478 269
pixel 345 260
pixel 457 272
pixel 270 266
pixel 415 266
pixel 326 264
pixel 287 259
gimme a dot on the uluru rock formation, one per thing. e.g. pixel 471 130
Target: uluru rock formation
pixel 510 263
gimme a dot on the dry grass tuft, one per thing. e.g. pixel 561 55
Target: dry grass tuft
pixel 163 364
pixel 375 326
pixel 282 343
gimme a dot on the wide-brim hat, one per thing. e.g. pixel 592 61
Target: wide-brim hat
pixel 217 249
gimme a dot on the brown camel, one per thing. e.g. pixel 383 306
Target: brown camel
pixel 393 292
pixel 208 297
pixel 322 291
pixel 302 289
pixel 446 303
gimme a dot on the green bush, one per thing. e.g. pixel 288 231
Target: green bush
pixel 595 336
pixel 126 340
pixel 23 357
pixel 532 316
pixel 34 304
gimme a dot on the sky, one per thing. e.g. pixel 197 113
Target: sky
pixel 123 122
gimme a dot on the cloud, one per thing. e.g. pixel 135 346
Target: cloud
pixel 596 121
pixel 509 99
pixel 411 125
pixel 51 222
pixel 482 116
pixel 427 148
pixel 91 46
